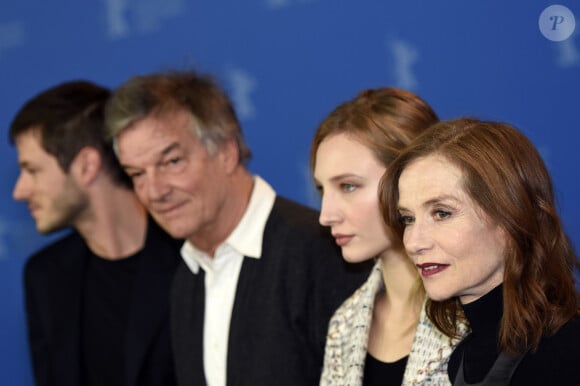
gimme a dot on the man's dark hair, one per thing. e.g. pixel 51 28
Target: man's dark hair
pixel 67 118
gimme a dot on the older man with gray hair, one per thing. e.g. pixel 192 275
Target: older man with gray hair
pixel 260 278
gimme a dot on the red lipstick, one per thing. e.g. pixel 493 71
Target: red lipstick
pixel 430 269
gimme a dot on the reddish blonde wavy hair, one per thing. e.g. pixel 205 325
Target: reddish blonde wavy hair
pixel 505 176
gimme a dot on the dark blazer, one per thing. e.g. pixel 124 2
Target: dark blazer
pixel 283 304
pixel 53 288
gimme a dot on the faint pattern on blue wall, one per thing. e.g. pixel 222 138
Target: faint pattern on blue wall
pixel 241 86
pixel 405 55
pixel 138 17
pixel 568 54
pixel 277 4
pixel 12 34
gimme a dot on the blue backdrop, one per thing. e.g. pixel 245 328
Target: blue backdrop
pixel 286 64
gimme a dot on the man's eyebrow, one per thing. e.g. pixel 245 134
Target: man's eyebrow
pixel 169 148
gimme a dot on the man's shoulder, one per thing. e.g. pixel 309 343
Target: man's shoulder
pixel 67 247
pixel 293 213
pixel 161 246
pixel 296 227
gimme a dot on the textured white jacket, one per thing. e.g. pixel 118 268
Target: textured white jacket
pixel 348 334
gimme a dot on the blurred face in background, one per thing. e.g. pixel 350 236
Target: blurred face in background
pixel 54 198
pixel 458 250
pixel 347 175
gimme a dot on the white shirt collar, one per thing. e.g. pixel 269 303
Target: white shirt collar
pixel 247 237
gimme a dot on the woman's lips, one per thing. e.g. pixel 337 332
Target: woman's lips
pixel 342 240
pixel 430 269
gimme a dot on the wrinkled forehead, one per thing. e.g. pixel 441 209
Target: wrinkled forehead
pixel 151 135
pixel 157 126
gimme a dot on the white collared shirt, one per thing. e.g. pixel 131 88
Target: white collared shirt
pixel 221 277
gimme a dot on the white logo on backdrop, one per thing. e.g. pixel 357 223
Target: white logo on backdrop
pixel 405 56
pixel 557 23
pixel 118 27
pixel 242 85
pixel 276 4
pixel 127 17
pixel 568 55
pixel 12 35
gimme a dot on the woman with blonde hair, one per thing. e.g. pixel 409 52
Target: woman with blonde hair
pixel 380 335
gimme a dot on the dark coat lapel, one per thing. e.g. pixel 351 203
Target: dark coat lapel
pixel 187 316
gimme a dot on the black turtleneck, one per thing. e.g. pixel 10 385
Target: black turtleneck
pixel 556 362
pixel 480 348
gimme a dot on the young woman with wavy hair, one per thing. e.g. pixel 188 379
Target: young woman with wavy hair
pixel 380 335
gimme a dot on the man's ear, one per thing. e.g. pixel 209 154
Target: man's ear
pixel 230 154
pixel 86 165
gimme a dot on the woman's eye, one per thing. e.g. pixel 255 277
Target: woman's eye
pixel 406 220
pixel 442 214
pixel 348 187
